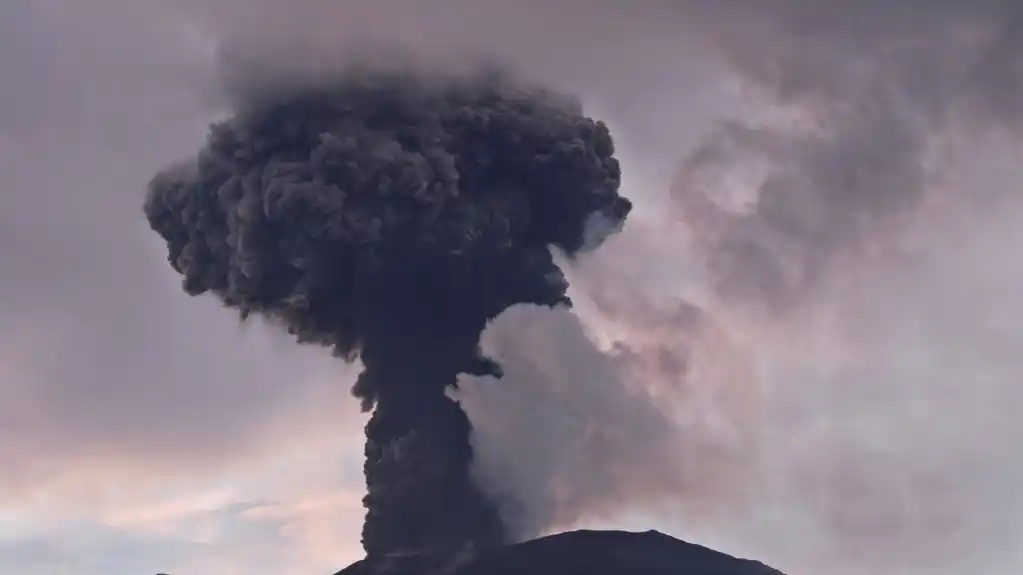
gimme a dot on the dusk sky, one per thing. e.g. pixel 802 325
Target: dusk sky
pixel 804 347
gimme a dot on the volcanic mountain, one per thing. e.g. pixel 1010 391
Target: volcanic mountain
pixel 571 553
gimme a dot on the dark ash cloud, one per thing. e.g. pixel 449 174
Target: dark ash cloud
pixel 388 214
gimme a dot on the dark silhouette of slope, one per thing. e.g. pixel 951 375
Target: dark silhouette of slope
pixel 571 553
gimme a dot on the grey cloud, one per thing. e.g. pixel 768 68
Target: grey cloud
pixel 876 86
pixel 821 196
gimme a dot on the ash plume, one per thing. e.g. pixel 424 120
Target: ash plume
pixel 389 213
pixel 825 217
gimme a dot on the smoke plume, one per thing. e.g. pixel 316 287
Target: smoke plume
pixel 820 229
pixel 388 213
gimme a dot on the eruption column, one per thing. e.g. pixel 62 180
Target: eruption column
pixel 389 216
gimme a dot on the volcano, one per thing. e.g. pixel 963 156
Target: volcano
pixel 571 553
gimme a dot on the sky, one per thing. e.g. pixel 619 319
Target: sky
pixel 802 348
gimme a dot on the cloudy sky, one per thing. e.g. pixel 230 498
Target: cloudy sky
pixel 802 349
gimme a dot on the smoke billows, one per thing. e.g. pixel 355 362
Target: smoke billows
pixel 389 214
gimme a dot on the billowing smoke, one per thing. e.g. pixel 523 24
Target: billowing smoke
pixel 389 213
pixel 822 230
